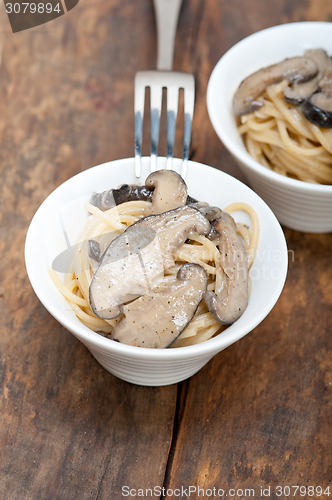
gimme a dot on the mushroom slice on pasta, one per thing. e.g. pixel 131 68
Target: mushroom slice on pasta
pixel 127 192
pixel 157 318
pixel 170 190
pixel 135 261
pixel 293 69
pixel 318 108
pixel 165 189
pixel 229 303
pixel 297 93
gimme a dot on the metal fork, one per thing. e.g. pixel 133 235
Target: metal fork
pixel 167 13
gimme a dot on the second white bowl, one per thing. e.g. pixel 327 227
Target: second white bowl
pixel 298 205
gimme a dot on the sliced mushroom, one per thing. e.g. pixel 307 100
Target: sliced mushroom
pixel 156 319
pixel 170 190
pixel 174 227
pixel 215 216
pixel 298 92
pixel 318 108
pixel 211 212
pixel 135 260
pixel 229 303
pixel 158 185
pixel 198 204
pixel 111 197
pixel 124 271
pixel 293 69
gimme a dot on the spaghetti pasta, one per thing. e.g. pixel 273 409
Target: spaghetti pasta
pixel 279 137
pixel 104 226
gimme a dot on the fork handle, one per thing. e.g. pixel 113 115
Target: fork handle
pixel 167 14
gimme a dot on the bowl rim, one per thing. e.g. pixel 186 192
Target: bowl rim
pixel 222 132
pixel 88 337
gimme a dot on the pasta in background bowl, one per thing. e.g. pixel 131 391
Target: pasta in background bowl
pixel 59 221
pixel 298 204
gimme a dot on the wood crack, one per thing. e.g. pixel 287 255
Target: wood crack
pixel 181 397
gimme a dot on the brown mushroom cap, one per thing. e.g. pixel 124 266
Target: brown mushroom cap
pixel 156 319
pixel 111 197
pixel 293 69
pixel 318 108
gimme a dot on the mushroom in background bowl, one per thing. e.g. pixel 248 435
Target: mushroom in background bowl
pixel 61 218
pixel 300 53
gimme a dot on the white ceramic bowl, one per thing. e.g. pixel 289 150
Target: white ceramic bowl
pixel 61 218
pixel 298 205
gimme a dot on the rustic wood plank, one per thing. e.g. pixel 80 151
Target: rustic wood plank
pixel 68 428
pixel 258 414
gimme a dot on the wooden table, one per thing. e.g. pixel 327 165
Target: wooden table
pixel 259 414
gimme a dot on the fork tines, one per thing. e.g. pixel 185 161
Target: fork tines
pixel 172 81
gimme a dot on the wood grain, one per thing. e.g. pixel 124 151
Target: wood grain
pixel 265 402
pixel 259 412
pixel 68 428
